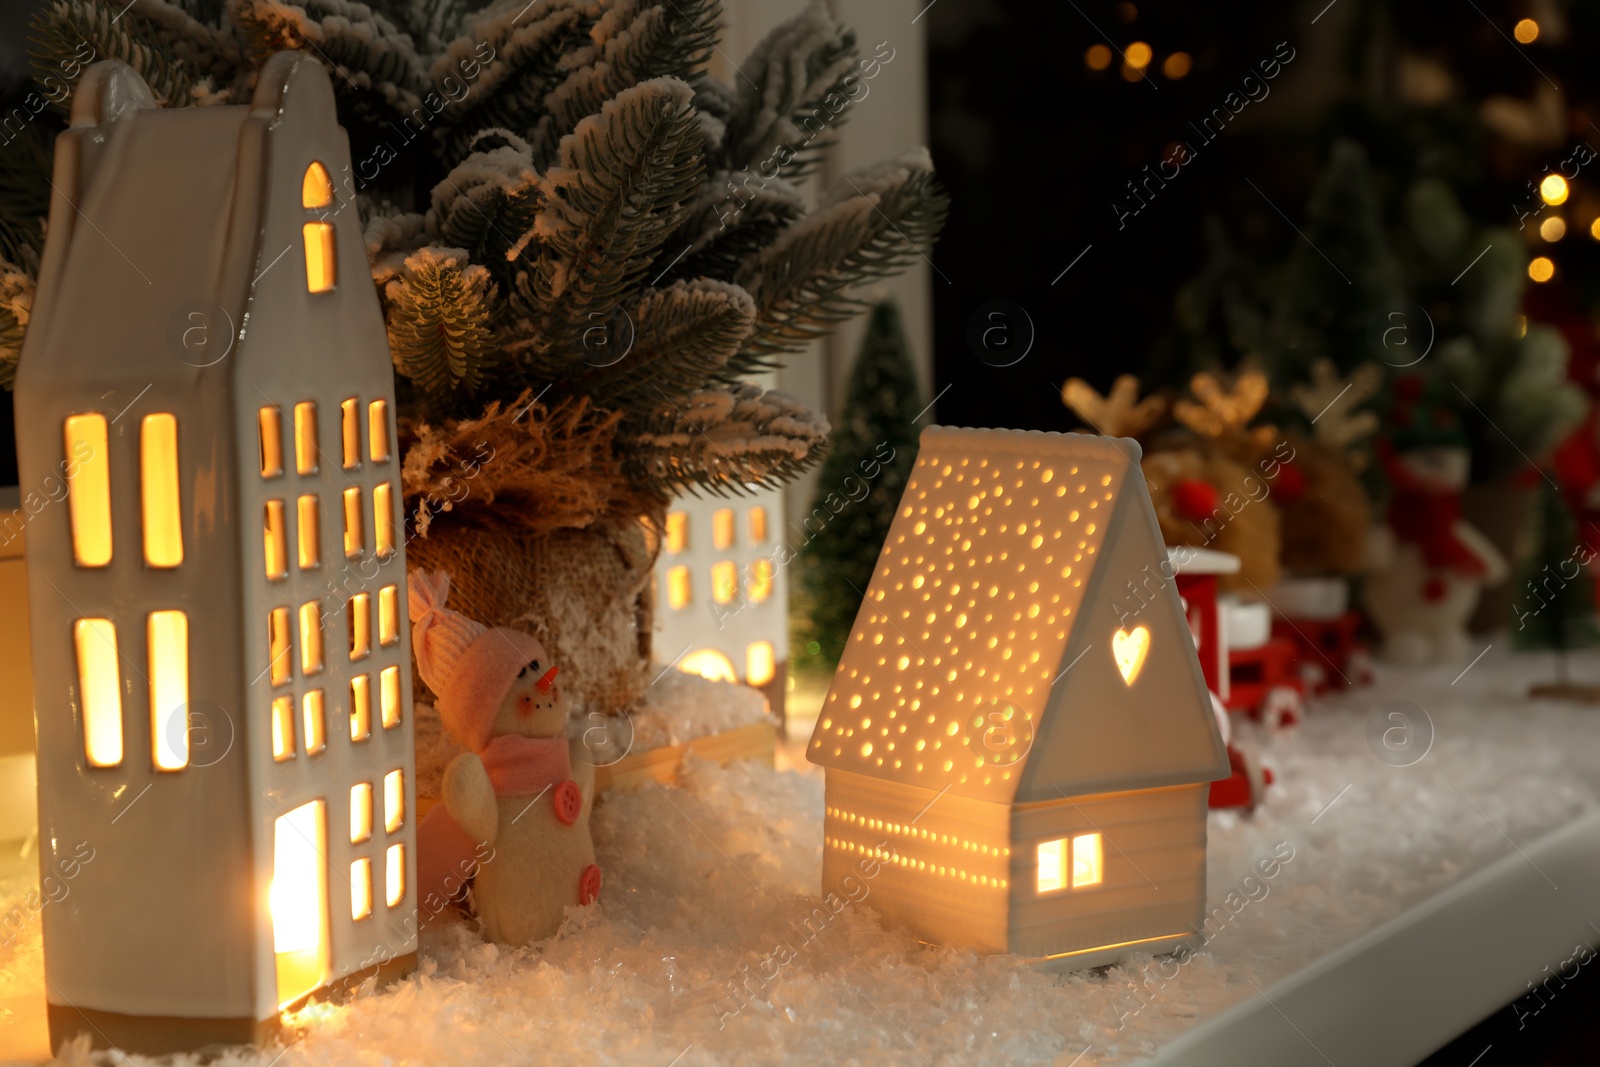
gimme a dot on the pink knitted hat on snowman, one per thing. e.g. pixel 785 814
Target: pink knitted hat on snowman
pixel 469 666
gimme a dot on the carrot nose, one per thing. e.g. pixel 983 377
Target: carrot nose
pixel 548 679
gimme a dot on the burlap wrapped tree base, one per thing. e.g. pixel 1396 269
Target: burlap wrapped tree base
pixel 585 593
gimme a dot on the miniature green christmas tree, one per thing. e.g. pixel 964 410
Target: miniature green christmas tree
pixel 871 453
pixel 1555 606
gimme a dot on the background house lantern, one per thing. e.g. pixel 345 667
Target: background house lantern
pixel 1021 746
pixel 220 659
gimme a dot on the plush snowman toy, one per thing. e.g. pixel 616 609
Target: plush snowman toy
pixel 518 800
pixel 1426 565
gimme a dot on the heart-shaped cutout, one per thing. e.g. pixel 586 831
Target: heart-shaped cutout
pixel 1129 648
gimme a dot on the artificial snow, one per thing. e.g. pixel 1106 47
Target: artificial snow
pixel 712 946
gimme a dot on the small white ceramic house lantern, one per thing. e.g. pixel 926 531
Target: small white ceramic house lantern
pixel 220 654
pixel 1017 762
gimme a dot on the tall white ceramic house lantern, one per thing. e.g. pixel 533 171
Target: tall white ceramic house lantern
pixel 1018 748
pixel 722 595
pixel 220 652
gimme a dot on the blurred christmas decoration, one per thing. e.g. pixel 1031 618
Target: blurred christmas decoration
pixel 1120 413
pixel 1554 605
pixel 1346 428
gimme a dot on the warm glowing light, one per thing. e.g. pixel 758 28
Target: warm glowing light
pixel 360 812
pixel 279 640
pixel 1553 228
pixel 310 637
pixel 722 528
pixel 1553 189
pixel 299 899
pixel 1594 228
pixel 388 616
pixel 760 663
pixel 360 889
pixel 269 420
pixel 378 431
pixel 677 531
pixel 1177 65
pixel 158 490
pixel 382 520
pixel 1522 325
pixel 678 591
pixel 1138 55
pixel 316 188
pixel 1052 857
pixel 394 801
pixel 99 691
pixel 89 489
pixel 305 437
pixel 360 708
pixel 168 635
pixel 724 581
pixel 1129 650
pixel 320 270
pixel 359 610
pixel 389 695
pixel 274 540
pixel 762 576
pixel 709 663
pixel 310 530
pixel 350 433
pixel 352 522
pixel 758 525
pixel 314 722
pixel 1526 31
pixel 1088 860
pixel 283 728
pixel 394 878
pixel 1098 57
pixel 1541 268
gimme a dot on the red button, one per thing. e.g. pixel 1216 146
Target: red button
pixel 589 886
pixel 568 801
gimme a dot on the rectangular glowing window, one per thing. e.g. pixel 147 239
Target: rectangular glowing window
pixel 350 432
pixel 378 430
pixel 168 634
pixel 394 801
pixel 99 690
pixel 158 490
pixel 283 728
pixel 281 645
pixel 758 525
pixel 1088 860
pixel 382 520
pixel 360 812
pixel 352 522
pixel 305 437
pixel 389 695
pixel 1052 865
pixel 678 591
pixel 89 489
pixel 762 575
pixel 314 722
pixel 320 270
pixel 310 637
pixel 760 663
pixel 394 875
pixel 275 540
pixel 270 421
pixel 724 581
pixel 388 615
pixel 360 708
pixel 309 509
pixel 722 528
pixel 360 889
pixel 359 609
pixel 677 531
pixel 299 901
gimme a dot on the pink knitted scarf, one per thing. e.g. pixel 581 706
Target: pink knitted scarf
pixel 525 766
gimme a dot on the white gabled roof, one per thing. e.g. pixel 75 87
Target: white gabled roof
pixel 988 567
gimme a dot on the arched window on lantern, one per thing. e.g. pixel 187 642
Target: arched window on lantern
pixel 316 192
